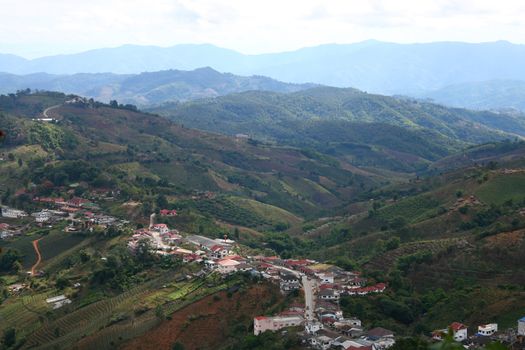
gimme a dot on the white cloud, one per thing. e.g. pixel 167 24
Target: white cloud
pixel 35 27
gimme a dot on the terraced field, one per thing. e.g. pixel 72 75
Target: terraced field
pixel 385 261
pixel 24 313
pixel 67 330
pixel 171 301
pixel 503 188
pixel 76 328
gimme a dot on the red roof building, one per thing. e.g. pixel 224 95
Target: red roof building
pixel 168 212
pixel 456 326
pixel 77 202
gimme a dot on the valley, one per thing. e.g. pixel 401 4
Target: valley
pixel 420 198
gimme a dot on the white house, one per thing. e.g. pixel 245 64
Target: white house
pixel 42 216
pixel 263 323
pixel 328 294
pixel 521 326
pixel 220 251
pixel 488 329
pixel 161 228
pixel 12 213
pixel 226 266
pixel 459 332
pixel 312 327
pixel 326 277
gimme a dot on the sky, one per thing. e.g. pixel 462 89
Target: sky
pixel 34 28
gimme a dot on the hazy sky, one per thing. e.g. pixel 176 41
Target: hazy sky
pixel 41 27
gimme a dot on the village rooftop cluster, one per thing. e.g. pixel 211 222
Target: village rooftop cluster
pixel 320 319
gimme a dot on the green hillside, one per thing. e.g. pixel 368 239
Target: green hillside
pixel 370 129
pixel 449 241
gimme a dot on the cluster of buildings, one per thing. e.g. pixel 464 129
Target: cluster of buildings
pixel 485 334
pixel 82 214
pixel 321 318
pixel 11 213
pixel 334 281
pixel 9 231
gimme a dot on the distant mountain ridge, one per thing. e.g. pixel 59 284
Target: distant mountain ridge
pixel 372 66
pixel 147 88
pixel 492 94
pixel 370 129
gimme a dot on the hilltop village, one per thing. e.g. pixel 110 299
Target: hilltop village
pixel 316 317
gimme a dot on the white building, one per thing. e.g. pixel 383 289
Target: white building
pixel 13 213
pixel 226 266
pixel 488 329
pixel 263 323
pixel 459 332
pixel 161 228
pixel 42 216
pixel 521 326
pixel 312 327
pixel 326 278
pixel 58 301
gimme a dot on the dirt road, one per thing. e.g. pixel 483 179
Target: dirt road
pixel 38 256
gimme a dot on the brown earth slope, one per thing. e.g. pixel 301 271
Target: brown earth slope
pixel 208 322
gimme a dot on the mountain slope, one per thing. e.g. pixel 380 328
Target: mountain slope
pixel 129 149
pixel 492 94
pixel 371 65
pixel 146 88
pixel 369 129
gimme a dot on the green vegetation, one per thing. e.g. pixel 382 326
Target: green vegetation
pixel 503 188
pixel 449 242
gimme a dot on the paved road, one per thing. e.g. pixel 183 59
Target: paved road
pixel 38 256
pixel 48 109
pixel 310 288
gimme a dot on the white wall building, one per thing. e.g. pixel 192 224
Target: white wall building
pixel 263 323
pixel 521 326
pixel 12 213
pixel 488 329
pixel 42 216
pixel 226 266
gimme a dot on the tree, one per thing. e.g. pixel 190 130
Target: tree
pixel 236 233
pixel 177 346
pixel 410 344
pixel 159 312
pixel 162 202
pixel 392 243
pixel 10 261
pixel 61 283
pixel 9 338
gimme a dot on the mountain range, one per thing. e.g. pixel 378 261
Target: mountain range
pixel 492 94
pixel 149 88
pixel 372 66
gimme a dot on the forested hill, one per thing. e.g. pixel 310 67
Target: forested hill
pixel 148 88
pixel 347 121
pixel 116 146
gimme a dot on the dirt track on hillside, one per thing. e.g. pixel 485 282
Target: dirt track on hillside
pixel 38 256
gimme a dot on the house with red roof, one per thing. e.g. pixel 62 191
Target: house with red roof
pixel 220 251
pixel 161 228
pixel 168 212
pixel 77 202
pixel 459 332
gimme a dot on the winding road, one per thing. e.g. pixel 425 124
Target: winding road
pixel 38 256
pixel 48 109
